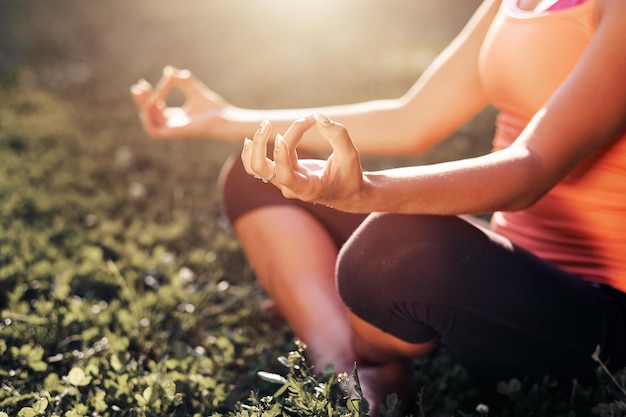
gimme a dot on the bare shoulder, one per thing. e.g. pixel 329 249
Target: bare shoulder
pixel 611 12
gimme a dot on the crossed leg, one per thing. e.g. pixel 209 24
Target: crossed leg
pixel 294 259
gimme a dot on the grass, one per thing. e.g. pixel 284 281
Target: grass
pixel 125 293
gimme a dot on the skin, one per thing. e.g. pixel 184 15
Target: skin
pixel 300 278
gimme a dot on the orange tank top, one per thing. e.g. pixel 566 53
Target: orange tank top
pixel 580 225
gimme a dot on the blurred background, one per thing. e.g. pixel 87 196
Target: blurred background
pixel 83 188
pixel 261 53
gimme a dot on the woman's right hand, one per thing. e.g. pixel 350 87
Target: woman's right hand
pixel 198 115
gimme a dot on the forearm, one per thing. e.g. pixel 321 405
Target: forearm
pixel 411 124
pixel 368 121
pixel 506 180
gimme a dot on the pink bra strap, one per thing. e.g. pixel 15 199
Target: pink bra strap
pixel 566 4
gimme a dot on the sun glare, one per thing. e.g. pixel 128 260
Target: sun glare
pixel 305 14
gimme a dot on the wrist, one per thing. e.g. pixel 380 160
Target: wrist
pixel 236 123
pixel 366 197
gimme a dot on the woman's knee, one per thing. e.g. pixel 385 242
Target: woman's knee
pixel 388 251
pixel 395 268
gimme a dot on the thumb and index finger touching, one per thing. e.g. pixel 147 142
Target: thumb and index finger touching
pixel 335 133
pixel 151 100
pixel 285 156
pixel 146 96
pixel 172 78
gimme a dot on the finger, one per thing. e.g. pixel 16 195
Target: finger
pixel 286 176
pixel 338 137
pixel 141 92
pixel 246 153
pixel 164 85
pixel 187 82
pixel 294 181
pixel 298 128
pixel 176 78
pixel 294 135
pixel 150 116
pixel 261 165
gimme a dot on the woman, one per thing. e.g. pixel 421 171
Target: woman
pixel 378 267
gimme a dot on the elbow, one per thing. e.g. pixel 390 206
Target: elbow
pixel 415 146
pixel 530 181
pixel 522 200
pixel 417 142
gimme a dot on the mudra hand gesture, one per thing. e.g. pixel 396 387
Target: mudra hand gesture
pixel 195 118
pixel 337 182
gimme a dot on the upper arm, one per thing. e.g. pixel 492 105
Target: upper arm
pixel 450 91
pixel 589 108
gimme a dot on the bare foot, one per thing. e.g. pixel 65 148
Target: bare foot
pixel 378 381
pixel 270 308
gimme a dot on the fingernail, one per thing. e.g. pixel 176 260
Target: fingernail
pixel 168 70
pixel 278 143
pixel 246 142
pixel 321 119
pixel 263 127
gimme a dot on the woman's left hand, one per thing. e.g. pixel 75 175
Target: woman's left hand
pixel 337 182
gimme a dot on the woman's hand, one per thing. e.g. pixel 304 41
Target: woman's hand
pixel 195 118
pixel 336 182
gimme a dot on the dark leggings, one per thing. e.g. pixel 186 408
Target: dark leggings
pixel 500 310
